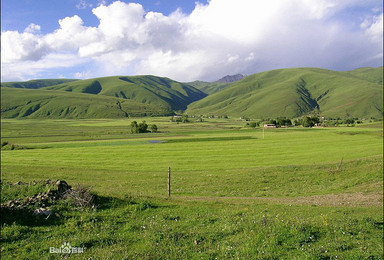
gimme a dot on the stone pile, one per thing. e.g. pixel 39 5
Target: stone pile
pixel 42 200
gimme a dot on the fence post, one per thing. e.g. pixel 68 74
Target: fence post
pixel 341 162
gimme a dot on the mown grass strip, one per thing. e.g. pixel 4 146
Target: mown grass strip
pixel 210 139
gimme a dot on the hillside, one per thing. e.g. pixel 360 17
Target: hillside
pixel 149 90
pixel 31 103
pixel 107 97
pixel 284 92
pixel 231 78
pixel 208 87
pixel 374 75
pixel 216 86
pixel 36 83
pixel 296 92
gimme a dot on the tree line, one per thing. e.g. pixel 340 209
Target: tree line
pixel 306 121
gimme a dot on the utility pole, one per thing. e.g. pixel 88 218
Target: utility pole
pixel 263 131
pixel 169 181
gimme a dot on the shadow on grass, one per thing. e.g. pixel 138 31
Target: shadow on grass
pixel 104 202
pixel 25 217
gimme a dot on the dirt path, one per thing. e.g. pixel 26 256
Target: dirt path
pixel 343 199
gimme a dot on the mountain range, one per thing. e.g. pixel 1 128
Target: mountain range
pixel 284 92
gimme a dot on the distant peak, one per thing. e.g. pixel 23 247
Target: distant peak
pixel 231 78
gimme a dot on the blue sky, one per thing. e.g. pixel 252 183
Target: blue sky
pixel 18 14
pixel 186 40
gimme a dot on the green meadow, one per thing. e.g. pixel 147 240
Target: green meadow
pixel 237 192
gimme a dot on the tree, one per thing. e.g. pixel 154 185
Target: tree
pixel 143 127
pixel 134 127
pixel 185 119
pixel 254 124
pixel 310 121
pixel 139 128
pixel 282 121
pixel 298 122
pixel 349 121
pixel 154 128
pixel 272 122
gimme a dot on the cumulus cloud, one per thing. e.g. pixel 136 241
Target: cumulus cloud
pixel 218 38
pixel 17 46
pixel 32 28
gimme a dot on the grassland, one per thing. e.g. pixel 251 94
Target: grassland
pixel 235 195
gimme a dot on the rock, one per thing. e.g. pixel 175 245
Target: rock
pixel 43 212
pixel 231 78
pixel 62 187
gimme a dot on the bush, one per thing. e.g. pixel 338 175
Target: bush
pixel 254 124
pixel 310 121
pixel 282 121
pixel 139 128
pixel 154 128
pixel 79 196
pixel 349 121
pixel 180 119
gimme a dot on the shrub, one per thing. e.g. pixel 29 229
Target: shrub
pixel 254 124
pixel 79 197
pixel 154 128
pixel 139 128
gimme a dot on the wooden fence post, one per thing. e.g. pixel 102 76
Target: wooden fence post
pixel 169 181
pixel 341 162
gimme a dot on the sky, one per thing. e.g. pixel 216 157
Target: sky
pixel 186 40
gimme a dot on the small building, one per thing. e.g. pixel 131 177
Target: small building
pixel 269 126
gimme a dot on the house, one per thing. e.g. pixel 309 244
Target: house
pixel 269 126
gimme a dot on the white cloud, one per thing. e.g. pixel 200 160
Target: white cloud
pixel 102 2
pixel 21 46
pixel 82 4
pixel 32 28
pixel 29 69
pixel 221 37
pixel 375 28
pixel 82 75
pixel 250 57
pixel 232 58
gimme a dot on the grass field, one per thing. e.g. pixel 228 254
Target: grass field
pixel 235 195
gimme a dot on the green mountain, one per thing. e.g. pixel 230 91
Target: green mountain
pixel 31 103
pixel 285 92
pixel 98 98
pixel 36 83
pixel 152 90
pixel 296 92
